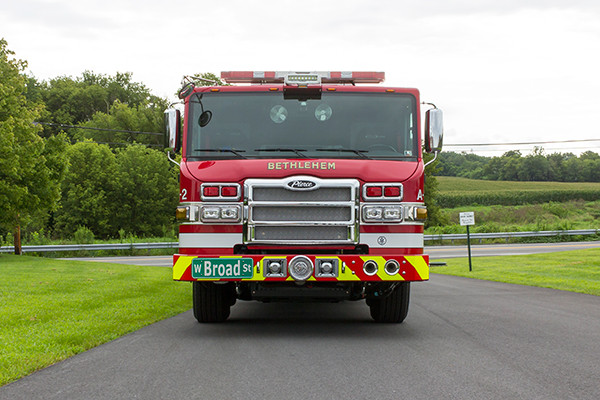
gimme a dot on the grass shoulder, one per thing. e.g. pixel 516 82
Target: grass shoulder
pixel 575 271
pixel 54 309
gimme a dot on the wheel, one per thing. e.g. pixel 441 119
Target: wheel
pixel 212 302
pixel 394 307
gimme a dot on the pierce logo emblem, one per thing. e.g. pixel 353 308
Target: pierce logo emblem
pixel 300 184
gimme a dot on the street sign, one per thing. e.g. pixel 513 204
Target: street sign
pixel 467 218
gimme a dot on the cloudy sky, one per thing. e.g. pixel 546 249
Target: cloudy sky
pixel 505 71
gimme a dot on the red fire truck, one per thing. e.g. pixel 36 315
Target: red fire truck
pixel 301 186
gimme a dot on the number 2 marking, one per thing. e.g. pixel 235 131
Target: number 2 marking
pixel 183 194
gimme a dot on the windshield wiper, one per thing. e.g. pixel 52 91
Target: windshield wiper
pixel 236 152
pixel 297 151
pixel 358 152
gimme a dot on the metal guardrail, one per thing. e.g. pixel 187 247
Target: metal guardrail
pixel 174 245
pixel 92 247
pixel 509 235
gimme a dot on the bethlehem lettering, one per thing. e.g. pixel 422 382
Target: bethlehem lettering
pixel 301 165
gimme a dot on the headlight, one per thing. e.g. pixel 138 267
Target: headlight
pixel 372 213
pixel 382 213
pixel 210 213
pixel 218 213
pixel 392 213
pixel 229 213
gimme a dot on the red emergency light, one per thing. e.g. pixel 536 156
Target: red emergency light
pixel 302 78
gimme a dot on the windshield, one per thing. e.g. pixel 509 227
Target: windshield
pixel 267 125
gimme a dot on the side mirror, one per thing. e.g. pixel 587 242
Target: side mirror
pixel 173 129
pixel 434 130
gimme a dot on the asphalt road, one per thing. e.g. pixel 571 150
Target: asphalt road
pixel 435 252
pixel 463 339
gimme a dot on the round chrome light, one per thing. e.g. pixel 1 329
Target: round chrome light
pixel 370 267
pixel 274 267
pixel 300 268
pixel 326 268
pixel 392 267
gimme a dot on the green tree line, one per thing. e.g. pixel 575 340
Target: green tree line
pixel 61 179
pixel 513 166
pixel 57 179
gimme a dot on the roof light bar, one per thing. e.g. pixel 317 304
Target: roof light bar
pixel 302 78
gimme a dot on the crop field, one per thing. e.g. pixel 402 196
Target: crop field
pixel 451 184
pixel 502 206
pixel 457 192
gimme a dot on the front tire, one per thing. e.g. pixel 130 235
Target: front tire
pixel 394 307
pixel 212 302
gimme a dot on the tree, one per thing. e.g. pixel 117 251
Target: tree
pixel 535 166
pixel 512 161
pixel 74 101
pixel 207 79
pixel 30 167
pixel 88 191
pixel 435 216
pixel 133 188
pixel 147 191
pixel 141 118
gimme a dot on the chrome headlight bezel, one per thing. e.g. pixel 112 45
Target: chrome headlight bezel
pixel 382 213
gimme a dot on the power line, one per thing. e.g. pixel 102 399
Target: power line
pixel 546 149
pixel 123 143
pixel 96 129
pixel 520 143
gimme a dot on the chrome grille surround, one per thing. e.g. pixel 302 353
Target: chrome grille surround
pixel 277 213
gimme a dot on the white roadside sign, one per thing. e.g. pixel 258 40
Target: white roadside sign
pixel 467 218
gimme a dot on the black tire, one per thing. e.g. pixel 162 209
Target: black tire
pixel 212 302
pixel 394 307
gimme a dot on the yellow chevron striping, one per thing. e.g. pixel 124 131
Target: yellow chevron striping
pixel 183 263
pixel 420 265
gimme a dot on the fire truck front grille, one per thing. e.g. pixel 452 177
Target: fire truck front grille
pixel 323 213
pixel 301 213
pixel 302 233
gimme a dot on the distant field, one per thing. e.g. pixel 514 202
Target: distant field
pixel 458 192
pixel 449 184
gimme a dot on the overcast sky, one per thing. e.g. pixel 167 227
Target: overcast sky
pixel 502 70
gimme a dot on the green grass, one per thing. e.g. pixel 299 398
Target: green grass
pixel 575 271
pixel 52 309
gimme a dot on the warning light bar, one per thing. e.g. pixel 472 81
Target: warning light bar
pixel 302 78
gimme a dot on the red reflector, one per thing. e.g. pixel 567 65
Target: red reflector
pixel 392 191
pixel 373 191
pixel 229 191
pixel 211 191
